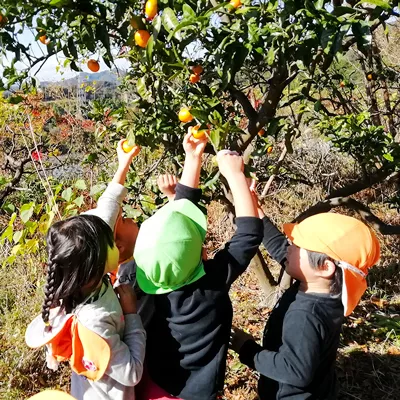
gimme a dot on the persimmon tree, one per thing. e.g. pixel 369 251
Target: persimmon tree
pixel 268 69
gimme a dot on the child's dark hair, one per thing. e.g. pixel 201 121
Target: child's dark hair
pixel 317 260
pixel 77 251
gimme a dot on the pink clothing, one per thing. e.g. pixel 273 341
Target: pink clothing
pixel 149 390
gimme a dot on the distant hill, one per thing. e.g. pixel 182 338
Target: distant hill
pixel 104 76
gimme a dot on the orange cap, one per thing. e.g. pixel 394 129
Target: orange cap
pixel 52 395
pixel 345 239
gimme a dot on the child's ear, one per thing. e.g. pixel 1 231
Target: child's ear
pixel 119 245
pixel 327 270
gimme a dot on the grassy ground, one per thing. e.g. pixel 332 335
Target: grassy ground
pixel 368 360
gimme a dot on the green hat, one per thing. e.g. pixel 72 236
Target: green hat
pixel 168 248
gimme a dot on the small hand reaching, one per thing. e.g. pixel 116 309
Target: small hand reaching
pixel 127 298
pixel 238 338
pixel 125 159
pixel 230 163
pixel 167 184
pixel 192 146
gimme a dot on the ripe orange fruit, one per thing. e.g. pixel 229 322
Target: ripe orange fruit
pixel 142 37
pixel 194 78
pixel 126 147
pixel 3 20
pixel 43 39
pixel 235 3
pixel 93 65
pixel 199 134
pixel 197 70
pixel 184 115
pixel 151 9
pixel 261 132
pixel 370 77
pixel 269 149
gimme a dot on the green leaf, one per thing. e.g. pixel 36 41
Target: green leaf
pixel 26 212
pixel 17 236
pixel 32 246
pixel 149 50
pixel 80 184
pixel 271 56
pixel 141 87
pixel 201 115
pixel 388 157
pixel 7 235
pixel 170 22
pixel 215 137
pixel 188 12
pixel 79 201
pixel 9 260
pixel 156 27
pixel 67 194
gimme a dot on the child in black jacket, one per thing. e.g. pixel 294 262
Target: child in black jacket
pixel 188 337
pixel 329 257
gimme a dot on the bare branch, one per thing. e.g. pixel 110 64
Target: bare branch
pixel 348 202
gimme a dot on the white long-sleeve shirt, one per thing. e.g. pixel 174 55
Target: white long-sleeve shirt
pixel 127 340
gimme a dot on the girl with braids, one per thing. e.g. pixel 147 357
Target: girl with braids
pixel 82 318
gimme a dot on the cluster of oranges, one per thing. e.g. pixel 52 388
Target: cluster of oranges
pixel 141 35
pixel 185 116
pixel 196 73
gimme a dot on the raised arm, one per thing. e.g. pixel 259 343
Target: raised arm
pixel 109 204
pixel 235 257
pixel 194 149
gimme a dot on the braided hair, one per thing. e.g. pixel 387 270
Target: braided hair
pixel 77 254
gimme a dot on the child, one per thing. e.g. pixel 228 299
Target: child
pixel 82 319
pixel 189 333
pixel 329 256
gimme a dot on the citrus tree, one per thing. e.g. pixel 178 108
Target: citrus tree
pixel 250 74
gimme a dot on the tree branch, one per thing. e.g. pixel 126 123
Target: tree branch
pixel 361 185
pixel 363 211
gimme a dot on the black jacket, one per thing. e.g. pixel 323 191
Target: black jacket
pixel 297 359
pixel 188 337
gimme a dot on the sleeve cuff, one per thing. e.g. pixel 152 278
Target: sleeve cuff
pixel 249 225
pixel 248 352
pixel 116 190
pixel 187 192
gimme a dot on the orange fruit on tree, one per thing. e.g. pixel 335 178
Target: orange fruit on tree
pixel 194 78
pixel 342 84
pixel 142 37
pixel 197 70
pixel 43 39
pixel 126 147
pixel 184 115
pixel 370 77
pixel 269 149
pixel 261 132
pixel 93 65
pixel 235 3
pixel 3 20
pixel 198 134
pixel 151 9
